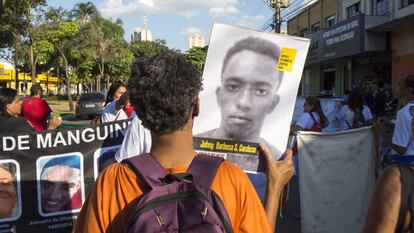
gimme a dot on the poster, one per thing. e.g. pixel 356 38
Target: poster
pixel 250 82
pixel 47 175
pixel 336 180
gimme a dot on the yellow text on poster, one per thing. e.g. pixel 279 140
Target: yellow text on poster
pixel 286 60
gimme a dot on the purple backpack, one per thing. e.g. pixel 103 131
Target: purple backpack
pixel 182 202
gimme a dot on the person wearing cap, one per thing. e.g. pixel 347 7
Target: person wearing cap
pixel 61 184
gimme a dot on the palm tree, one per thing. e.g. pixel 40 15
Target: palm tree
pixel 84 11
pixel 56 15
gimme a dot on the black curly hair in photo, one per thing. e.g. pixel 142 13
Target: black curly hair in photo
pixel 163 91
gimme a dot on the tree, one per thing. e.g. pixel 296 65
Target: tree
pixel 103 39
pixel 119 67
pixel 84 11
pixel 55 15
pixel 15 24
pixel 146 49
pixel 61 36
pixel 197 56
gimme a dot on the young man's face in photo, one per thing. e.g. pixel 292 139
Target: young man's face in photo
pixel 248 93
pixel 58 185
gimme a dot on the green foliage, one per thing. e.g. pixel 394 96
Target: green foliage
pixel 16 19
pixel 84 12
pixel 119 68
pixel 197 56
pixel 62 32
pixel 147 49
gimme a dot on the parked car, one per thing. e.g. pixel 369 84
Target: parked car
pixel 90 105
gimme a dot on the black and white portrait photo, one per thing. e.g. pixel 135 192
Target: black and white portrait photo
pixel 247 97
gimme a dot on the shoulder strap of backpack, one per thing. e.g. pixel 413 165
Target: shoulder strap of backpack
pixel 349 126
pixel 313 118
pixel 204 168
pixel 148 169
pixel 406 195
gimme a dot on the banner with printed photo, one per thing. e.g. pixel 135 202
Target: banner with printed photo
pixel 336 180
pixel 250 82
pixel 46 176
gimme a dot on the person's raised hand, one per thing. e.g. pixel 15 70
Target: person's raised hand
pixel 122 101
pixel 55 122
pixel 278 172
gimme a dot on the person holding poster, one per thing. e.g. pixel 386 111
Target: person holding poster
pixel 60 184
pixel 248 90
pixel 166 99
pixel 8 193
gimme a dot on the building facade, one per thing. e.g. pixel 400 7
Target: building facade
pixel 196 40
pixel 354 44
pixel 7 79
pixel 142 33
pixel 399 25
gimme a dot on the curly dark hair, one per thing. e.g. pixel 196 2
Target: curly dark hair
pixel 163 90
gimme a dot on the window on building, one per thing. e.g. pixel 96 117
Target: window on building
pixel 405 3
pixel 380 7
pixel 304 32
pixel 330 20
pixel 316 27
pixel 328 81
pixel 353 10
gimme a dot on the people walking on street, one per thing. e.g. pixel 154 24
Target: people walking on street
pixel 355 113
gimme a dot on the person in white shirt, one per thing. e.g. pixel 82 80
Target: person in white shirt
pixel 401 141
pixel 355 105
pixel 137 141
pixel 116 90
pixel 114 111
pixel 313 118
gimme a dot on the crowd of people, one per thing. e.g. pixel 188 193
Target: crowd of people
pixel 162 101
pixel 34 114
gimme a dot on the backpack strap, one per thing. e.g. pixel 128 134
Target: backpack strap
pixel 313 118
pixel 148 169
pixel 204 169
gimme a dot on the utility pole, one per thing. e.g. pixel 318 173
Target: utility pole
pixel 277 18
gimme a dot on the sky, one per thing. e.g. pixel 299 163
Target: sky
pixel 174 20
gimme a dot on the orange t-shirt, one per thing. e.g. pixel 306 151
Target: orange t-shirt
pixel 113 197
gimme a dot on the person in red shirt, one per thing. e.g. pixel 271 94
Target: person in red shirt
pixel 35 109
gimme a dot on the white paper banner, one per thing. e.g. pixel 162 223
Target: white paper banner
pixel 336 178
